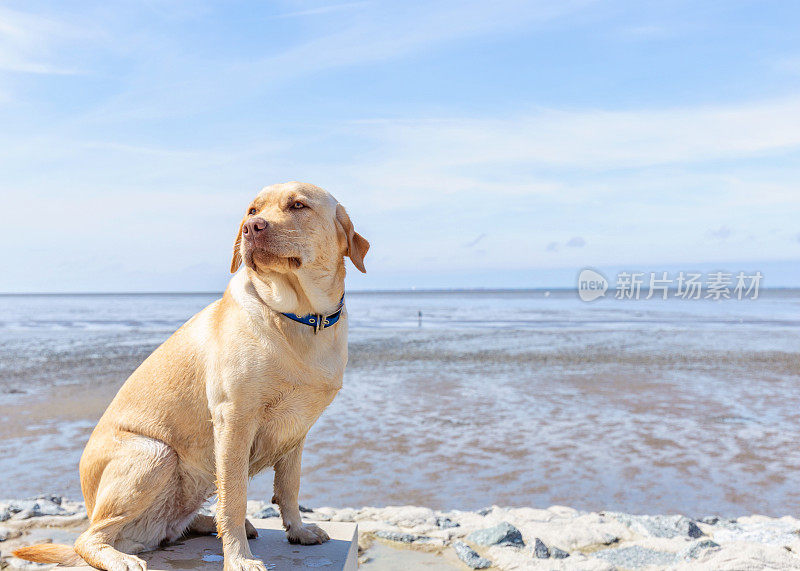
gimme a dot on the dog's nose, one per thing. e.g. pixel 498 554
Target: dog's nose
pixel 254 226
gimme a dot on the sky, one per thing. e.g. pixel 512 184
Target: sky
pixel 475 144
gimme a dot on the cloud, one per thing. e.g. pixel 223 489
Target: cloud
pixel 599 139
pixel 174 116
pixel 790 65
pixel 391 30
pixel 176 82
pixel 324 9
pixel 474 242
pixel 30 43
pixel 721 233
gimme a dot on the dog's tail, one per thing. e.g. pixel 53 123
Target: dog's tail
pixel 50 553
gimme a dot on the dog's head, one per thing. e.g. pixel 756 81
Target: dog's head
pixel 296 227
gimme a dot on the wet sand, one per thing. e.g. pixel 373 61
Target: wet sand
pixel 634 408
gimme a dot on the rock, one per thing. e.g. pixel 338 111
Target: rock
pixel 37 507
pixel 667 526
pixel 501 534
pixel 345 514
pixel 635 556
pixel 398 536
pixel 557 553
pixel 693 530
pixel 305 510
pixel 15 563
pixel 443 522
pixel 324 514
pixel 206 510
pixel 709 520
pixel 760 529
pixel 49 506
pixel 469 556
pixel 696 549
pixel 266 512
pixel 484 511
pixel 609 539
pixel 540 550
pixel 8 533
pixel 401 516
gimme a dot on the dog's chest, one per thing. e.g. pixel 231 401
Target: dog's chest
pixel 285 418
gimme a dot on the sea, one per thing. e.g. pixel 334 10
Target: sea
pixel 465 399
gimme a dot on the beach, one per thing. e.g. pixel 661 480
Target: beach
pixel 495 398
pixel 470 419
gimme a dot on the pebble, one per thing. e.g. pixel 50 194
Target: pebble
pixel 37 507
pixel 398 536
pixel 445 523
pixel 540 550
pixel 15 563
pixel 557 553
pixel 667 526
pixel 470 557
pixel 635 556
pixel 266 513
pixel 8 533
pixel 694 551
pixel 501 534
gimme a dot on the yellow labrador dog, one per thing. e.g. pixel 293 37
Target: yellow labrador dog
pixel 234 391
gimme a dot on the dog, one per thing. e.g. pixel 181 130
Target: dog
pixel 232 392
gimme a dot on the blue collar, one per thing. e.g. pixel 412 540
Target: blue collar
pixel 316 320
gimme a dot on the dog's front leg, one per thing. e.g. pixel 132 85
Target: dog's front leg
pixel 233 437
pixel 287 488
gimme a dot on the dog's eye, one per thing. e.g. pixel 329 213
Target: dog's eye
pixel 298 205
pixel 252 211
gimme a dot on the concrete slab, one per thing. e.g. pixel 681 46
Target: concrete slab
pixel 205 553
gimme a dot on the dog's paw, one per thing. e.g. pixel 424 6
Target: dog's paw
pixel 308 534
pixel 125 562
pixel 251 531
pixel 242 564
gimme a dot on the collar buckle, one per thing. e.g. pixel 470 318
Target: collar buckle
pixel 317 321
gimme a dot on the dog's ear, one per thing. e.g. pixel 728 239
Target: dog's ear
pixel 236 261
pixel 357 245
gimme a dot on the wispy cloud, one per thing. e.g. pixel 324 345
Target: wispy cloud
pixel 474 242
pixel 29 43
pixel 325 9
pixel 721 233
pixel 603 139
pixel 350 35
pixel 500 153
pixel 392 30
